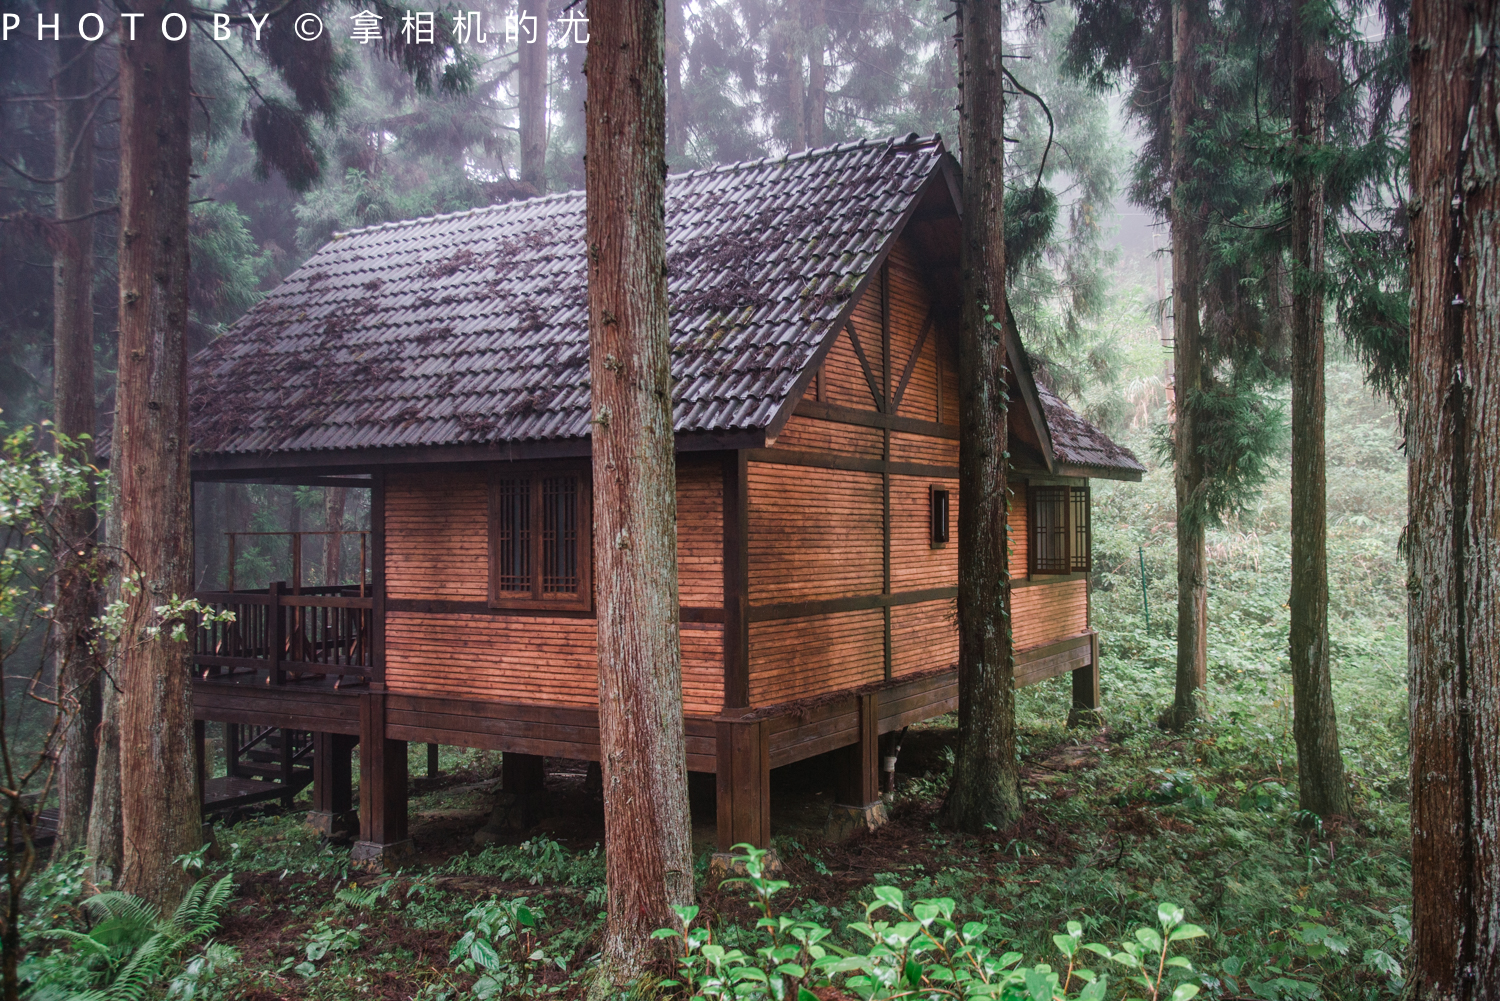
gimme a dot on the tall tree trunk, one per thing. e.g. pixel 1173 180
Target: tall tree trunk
pixel 677 112
pixel 76 594
pixel 1187 363
pixel 642 750
pixel 333 545
pixel 1454 497
pixel 1320 768
pixel 986 783
pixel 531 65
pixel 103 848
pixel 817 73
pixel 158 799
pixel 796 95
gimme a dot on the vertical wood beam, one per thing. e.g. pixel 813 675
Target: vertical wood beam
pixel 377 576
pixel 275 633
pixel 432 761
pixel 736 508
pixel 287 764
pixel 885 462
pixel 332 812
pixel 858 782
pixel 232 750
pixel 744 784
pixel 382 787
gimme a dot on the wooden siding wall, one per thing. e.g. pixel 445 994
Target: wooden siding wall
pixel 837 599
pixel 436 550
pixel 845 588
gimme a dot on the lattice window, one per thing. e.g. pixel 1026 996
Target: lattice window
pixel 539 541
pixel 512 536
pixel 1061 540
pixel 1082 539
pixel 1049 530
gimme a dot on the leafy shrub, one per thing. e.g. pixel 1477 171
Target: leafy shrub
pixel 502 945
pixel 922 952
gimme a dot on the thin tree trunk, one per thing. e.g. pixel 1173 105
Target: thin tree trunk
pixel 642 750
pixel 103 848
pixel 1454 498
pixel 796 97
pixel 158 799
pixel 986 784
pixel 817 73
pixel 1187 362
pixel 531 67
pixel 333 545
pixel 76 594
pixel 677 112
pixel 1320 768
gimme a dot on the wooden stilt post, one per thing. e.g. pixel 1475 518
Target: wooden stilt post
pixel 857 804
pixel 518 804
pixel 432 761
pixel 287 761
pixel 1086 697
pixel 382 788
pixel 744 772
pixel 333 813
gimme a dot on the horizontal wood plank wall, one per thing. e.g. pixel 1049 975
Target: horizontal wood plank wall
pixel 535 659
pixel 795 658
pixel 814 533
pixel 435 536
pixel 1020 539
pixel 810 434
pixel 700 535
pixel 929 451
pixel 923 636
pixel 1048 612
pixel 916 564
pixel 910 308
pixel 844 379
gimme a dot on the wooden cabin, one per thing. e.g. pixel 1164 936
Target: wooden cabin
pixel 442 363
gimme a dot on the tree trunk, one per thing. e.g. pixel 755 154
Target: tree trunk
pixel 643 754
pixel 1187 362
pixel 333 545
pixel 158 797
pixel 1320 768
pixel 103 848
pixel 677 112
pixel 817 73
pixel 76 593
pixel 986 784
pixel 531 65
pixel 796 96
pixel 1454 497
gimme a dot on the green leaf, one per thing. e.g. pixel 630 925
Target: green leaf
pixel 1184 992
pixel 1066 944
pixel 888 896
pixel 1149 938
pixel 1186 931
pixel 1169 914
pixel 1180 962
pixel 803 994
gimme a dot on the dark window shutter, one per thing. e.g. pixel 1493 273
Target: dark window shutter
pixel 1083 542
pixel 937 506
pixel 1049 530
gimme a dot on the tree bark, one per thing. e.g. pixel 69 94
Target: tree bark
pixel 817 72
pixel 1454 498
pixel 796 97
pixel 103 848
pixel 986 784
pixel 677 112
pixel 1187 362
pixel 333 545
pixel 531 65
pixel 642 750
pixel 1322 789
pixel 158 798
pixel 76 594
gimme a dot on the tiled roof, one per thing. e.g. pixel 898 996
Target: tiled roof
pixel 473 328
pixel 1077 442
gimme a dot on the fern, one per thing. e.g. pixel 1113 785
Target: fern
pixel 131 948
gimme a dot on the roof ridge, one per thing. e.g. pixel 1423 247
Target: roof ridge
pixel 339 234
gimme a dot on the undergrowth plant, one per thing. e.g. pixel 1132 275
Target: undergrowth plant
pixel 915 950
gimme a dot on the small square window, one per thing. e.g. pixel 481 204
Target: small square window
pixel 539 538
pixel 937 498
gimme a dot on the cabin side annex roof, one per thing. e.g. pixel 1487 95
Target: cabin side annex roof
pixel 465 337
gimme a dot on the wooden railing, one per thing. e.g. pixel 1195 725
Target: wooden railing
pixel 288 637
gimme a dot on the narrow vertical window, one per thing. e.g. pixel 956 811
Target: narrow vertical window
pixel 560 535
pixel 1082 540
pixel 1049 530
pixel 937 503
pixel 512 542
